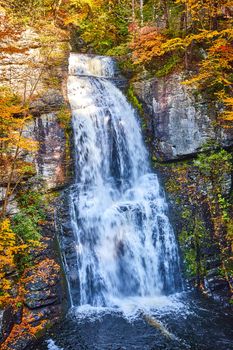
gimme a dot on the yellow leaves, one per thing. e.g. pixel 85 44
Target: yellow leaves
pixel 27 144
pixel 76 11
pixel 150 43
pixel 14 141
pixel 227 115
pixel 7 245
pixel 21 248
pixel 9 248
pixel 228 101
pixel 197 79
pixel 205 10
pixel 7 236
pixel 174 44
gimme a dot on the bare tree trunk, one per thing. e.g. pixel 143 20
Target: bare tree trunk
pixel 214 21
pixel 184 21
pixel 165 12
pixel 10 179
pixel 141 12
pixel 133 11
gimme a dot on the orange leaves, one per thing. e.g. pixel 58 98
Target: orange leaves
pixel 212 44
pixel 13 141
pixel 215 71
pixel 205 10
pixel 12 49
pixel 227 115
pixel 150 43
pixel 147 45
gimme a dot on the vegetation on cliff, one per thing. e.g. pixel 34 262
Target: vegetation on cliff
pixel 156 37
pixel 32 51
pixel 198 188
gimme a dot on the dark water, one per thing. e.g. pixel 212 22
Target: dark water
pixel 193 322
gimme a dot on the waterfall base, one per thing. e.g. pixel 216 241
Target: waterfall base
pixel 183 325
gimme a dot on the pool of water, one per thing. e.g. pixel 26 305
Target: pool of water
pixel 183 321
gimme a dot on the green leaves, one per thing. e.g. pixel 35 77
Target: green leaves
pixel 27 222
pixel 26 226
pixel 214 163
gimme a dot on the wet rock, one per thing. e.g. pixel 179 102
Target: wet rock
pixel 67 227
pixel 44 276
pixel 6 322
pixel 42 285
pixel 67 235
pixel 216 284
pixel 22 341
pixel 49 313
pixel 40 298
pixel 18 315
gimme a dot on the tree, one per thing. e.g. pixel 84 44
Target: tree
pixel 13 120
pixel 10 246
pixel 203 44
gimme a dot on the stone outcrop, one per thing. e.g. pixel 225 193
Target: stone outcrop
pixel 181 122
pixel 51 159
pixel 34 65
pixel 178 122
pixel 41 284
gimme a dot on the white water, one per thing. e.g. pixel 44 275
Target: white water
pixel 124 243
pixel 52 346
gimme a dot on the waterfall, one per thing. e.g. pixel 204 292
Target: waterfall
pixel 124 243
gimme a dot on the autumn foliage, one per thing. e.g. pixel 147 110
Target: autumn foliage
pixel 14 144
pixel 10 247
pixel 203 44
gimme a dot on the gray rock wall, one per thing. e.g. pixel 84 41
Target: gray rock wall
pixel 34 65
pixel 181 122
pixel 50 159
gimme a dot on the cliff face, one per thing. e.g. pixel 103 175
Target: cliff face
pixel 181 121
pixel 33 64
pixel 179 124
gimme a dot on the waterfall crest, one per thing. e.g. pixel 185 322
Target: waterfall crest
pixel 124 243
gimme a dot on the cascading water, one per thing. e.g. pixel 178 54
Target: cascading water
pixel 125 246
pixel 121 259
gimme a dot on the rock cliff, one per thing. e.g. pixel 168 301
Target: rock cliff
pixel 33 64
pixel 179 125
pixel 181 121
